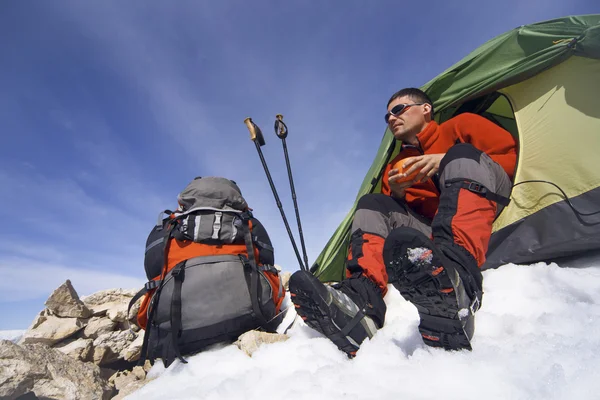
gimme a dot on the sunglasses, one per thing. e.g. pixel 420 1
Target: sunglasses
pixel 399 109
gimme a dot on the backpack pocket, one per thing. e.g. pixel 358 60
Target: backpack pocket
pixel 212 226
pixel 205 300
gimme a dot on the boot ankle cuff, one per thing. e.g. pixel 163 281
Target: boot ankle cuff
pixel 367 295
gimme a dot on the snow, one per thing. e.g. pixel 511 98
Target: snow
pixel 420 254
pixel 14 335
pixel 537 337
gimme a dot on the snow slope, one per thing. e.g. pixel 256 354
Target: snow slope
pixel 537 337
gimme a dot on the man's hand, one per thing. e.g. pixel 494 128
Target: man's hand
pixel 429 165
pixel 398 189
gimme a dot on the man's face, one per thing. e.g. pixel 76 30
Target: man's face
pixel 411 120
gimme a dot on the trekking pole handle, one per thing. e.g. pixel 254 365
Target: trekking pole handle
pixel 255 133
pixel 281 129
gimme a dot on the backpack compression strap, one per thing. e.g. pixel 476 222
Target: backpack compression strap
pixel 178 274
pixel 254 274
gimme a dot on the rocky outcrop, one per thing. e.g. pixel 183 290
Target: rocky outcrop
pixel 48 373
pixel 94 331
pixel 86 348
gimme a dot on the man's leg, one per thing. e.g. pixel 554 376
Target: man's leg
pixel 353 309
pixel 442 277
pixel 376 216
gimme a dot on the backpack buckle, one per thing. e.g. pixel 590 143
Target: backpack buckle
pixel 477 188
pixel 246 215
pixel 152 284
pixel 177 271
pixel 244 259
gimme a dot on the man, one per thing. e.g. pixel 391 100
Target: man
pixel 427 236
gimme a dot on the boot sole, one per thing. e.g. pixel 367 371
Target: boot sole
pixel 430 289
pixel 308 298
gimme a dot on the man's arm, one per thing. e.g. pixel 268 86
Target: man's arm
pixel 488 137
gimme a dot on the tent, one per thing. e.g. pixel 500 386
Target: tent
pixel 541 82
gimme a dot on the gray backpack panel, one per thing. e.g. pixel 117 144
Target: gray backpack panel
pixel 214 290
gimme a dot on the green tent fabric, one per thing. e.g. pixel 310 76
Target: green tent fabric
pixel 485 79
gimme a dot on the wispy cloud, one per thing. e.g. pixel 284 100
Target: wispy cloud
pixel 328 155
pixel 109 109
pixel 25 279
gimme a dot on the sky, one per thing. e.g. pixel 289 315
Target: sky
pixel 108 110
pixel 536 337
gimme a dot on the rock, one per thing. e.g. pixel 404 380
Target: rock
pixel 139 372
pixel 147 366
pixel 117 311
pixel 250 341
pixel 104 355
pixel 48 373
pixel 113 302
pixel 108 296
pixel 108 346
pixel 64 302
pixel 285 279
pixel 132 352
pixel 79 349
pixel 127 382
pixel 49 329
pixel 106 373
pixel 134 310
pixel 97 326
pixel 125 326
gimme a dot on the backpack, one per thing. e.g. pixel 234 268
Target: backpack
pixel 211 274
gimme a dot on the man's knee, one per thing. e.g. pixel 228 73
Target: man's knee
pixel 380 203
pixel 461 151
pixel 465 162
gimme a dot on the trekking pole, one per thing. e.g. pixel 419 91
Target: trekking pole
pixel 257 137
pixel 281 131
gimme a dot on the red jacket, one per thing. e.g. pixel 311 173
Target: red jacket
pixel 434 139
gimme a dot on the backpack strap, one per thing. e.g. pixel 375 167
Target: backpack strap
pixel 254 274
pixel 262 245
pixel 178 274
pixel 148 286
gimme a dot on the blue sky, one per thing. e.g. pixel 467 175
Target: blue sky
pixel 108 109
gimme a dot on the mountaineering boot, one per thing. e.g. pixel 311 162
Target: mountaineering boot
pixel 346 313
pixel 430 280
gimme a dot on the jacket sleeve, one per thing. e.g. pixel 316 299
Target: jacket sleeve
pixel 422 198
pixel 488 137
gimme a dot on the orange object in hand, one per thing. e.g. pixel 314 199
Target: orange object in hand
pixel 400 167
